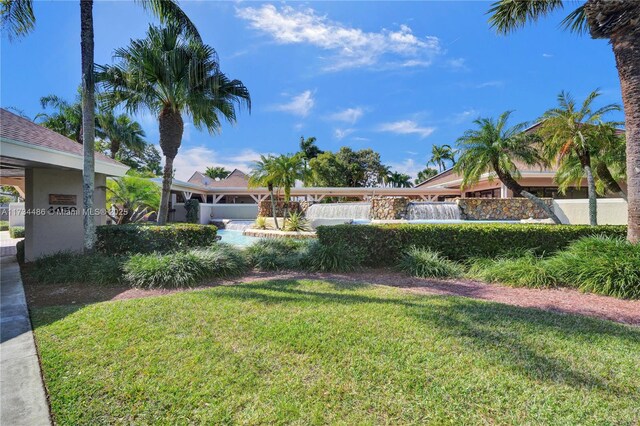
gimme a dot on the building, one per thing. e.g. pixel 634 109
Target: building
pixel 47 168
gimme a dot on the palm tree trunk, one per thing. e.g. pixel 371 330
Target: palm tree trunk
pixel 612 185
pixel 171 129
pixel 274 210
pixel 115 147
pixel 593 197
pixel 626 48
pixel 88 124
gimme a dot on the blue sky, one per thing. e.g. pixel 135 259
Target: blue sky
pixel 397 77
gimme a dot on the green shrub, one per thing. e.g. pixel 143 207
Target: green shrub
pixel 119 239
pixel 272 254
pixel 4 225
pixel 603 265
pixel 221 261
pixel 193 211
pixel 20 251
pixel 16 232
pixel 296 223
pixel 385 244
pixel 426 263
pixel 318 257
pixel 525 270
pixel 261 223
pixel 67 267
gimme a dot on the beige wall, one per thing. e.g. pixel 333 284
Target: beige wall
pixel 16 214
pixel 46 232
pixel 611 211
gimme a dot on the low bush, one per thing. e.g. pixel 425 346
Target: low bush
pixel 516 269
pixel 603 265
pixel 221 261
pixel 385 244
pixel 426 263
pixel 16 232
pixel 4 225
pixel 20 251
pixel 120 239
pixel 273 254
pixel 67 267
pixel 318 257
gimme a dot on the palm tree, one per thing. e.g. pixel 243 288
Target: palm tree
pixel 441 153
pixel 569 130
pixel 217 172
pixel 66 118
pixel 309 150
pixel 287 169
pixel 398 180
pixel 492 148
pixel 18 20
pixel 170 74
pixel 122 131
pixel 425 174
pixel 611 158
pixel 262 175
pixel 130 198
pixel 616 21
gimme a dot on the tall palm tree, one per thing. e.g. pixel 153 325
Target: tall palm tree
pixel 571 129
pixel 287 169
pixel 217 172
pixel 616 21
pixel 170 74
pixel 18 19
pixel 493 148
pixel 440 154
pixel 262 175
pixel 399 180
pixel 425 174
pixel 122 131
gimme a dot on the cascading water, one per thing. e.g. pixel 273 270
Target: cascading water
pixel 238 225
pixel 339 211
pixel 433 211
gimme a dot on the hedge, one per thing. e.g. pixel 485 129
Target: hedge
pixel 20 251
pixel 120 239
pixel 16 232
pixel 4 225
pixel 384 244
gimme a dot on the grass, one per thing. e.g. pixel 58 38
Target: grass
pixel 313 352
pixel 426 263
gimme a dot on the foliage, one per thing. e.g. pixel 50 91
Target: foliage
pixel 20 251
pixel 308 148
pixel 146 162
pixel 193 210
pixel 260 223
pixel 425 174
pixel 122 131
pixel 398 180
pixel 130 198
pixel 68 267
pixel 5 199
pixel 508 15
pixel 296 222
pixel 426 263
pixel 301 352
pixel 525 270
pixel 118 239
pixel 348 168
pixel 273 254
pixel 337 258
pixel 385 244
pixel 16 232
pixel 440 154
pixel 4 225
pixel 217 173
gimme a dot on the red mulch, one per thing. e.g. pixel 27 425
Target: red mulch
pixel 558 300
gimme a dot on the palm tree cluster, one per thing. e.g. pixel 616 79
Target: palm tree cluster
pixel 217 172
pixel 440 154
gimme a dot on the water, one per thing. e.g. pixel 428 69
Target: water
pixel 236 238
pixel 238 225
pixel 433 211
pixel 339 211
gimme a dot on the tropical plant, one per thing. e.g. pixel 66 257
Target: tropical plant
pixel 192 208
pixel 440 154
pixel 18 19
pixel 262 175
pixel 66 117
pixel 493 148
pixel 296 223
pixel 131 198
pixel 572 130
pixel 122 131
pixel 348 168
pixel 260 223
pixel 217 172
pixel 616 21
pixel 193 85
pixel 286 170
pixel 308 150
pixel 425 174
pixel 398 180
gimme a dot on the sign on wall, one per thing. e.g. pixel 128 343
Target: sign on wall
pixel 62 199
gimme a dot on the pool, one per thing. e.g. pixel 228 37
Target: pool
pixel 235 238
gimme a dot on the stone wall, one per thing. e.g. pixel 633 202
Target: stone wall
pixel 388 208
pixel 264 208
pixel 500 209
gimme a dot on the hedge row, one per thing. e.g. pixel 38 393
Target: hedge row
pixel 4 225
pixel 384 244
pixel 121 239
pixel 16 232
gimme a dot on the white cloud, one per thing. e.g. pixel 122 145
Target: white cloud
pixel 463 116
pixel 349 115
pixel 299 105
pixel 352 47
pixel 406 127
pixel 199 158
pixel 457 64
pixel 408 166
pixel 342 133
pixel 493 83
pixel 547 55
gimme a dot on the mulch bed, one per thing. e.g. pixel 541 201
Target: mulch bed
pixel 557 300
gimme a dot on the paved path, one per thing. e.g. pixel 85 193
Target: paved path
pixel 22 397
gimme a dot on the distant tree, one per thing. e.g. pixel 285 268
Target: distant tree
pixel 147 162
pixel 440 154
pixel 425 174
pixel 398 180
pixel 64 117
pixel 263 174
pixel 217 172
pixel 121 131
pixel 309 150
pixel 348 168
pixel 493 147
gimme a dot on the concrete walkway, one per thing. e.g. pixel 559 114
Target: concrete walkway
pixel 22 396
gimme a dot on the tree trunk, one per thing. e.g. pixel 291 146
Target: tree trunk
pixel 593 197
pixel 627 52
pixel 602 171
pixel 88 124
pixel 274 209
pixel 115 147
pixel 171 129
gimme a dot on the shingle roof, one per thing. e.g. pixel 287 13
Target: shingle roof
pixel 20 129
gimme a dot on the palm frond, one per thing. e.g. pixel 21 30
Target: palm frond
pixel 17 17
pixel 509 15
pixel 576 21
pixel 169 12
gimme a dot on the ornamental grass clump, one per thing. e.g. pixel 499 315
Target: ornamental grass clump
pixel 426 263
pixel 338 258
pixel 221 261
pixel 276 254
pixel 174 270
pixel 68 267
pixel 516 269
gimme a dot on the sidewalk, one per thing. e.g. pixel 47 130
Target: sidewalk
pixel 22 396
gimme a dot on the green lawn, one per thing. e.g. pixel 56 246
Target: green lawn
pixel 316 352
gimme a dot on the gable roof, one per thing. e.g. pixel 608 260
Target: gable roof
pixel 235 179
